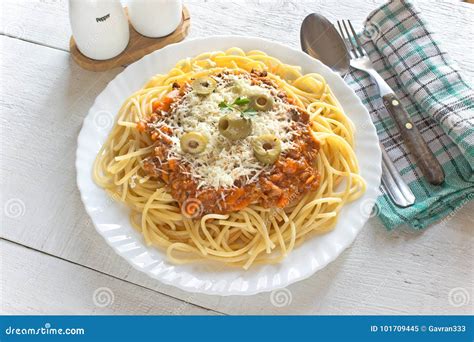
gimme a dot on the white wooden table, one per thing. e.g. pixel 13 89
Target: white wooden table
pixel 53 261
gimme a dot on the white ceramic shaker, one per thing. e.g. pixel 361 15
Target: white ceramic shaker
pixel 155 18
pixel 99 27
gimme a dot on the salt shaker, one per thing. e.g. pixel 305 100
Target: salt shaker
pixel 155 18
pixel 99 27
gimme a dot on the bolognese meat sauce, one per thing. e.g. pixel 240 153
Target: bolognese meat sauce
pixel 226 176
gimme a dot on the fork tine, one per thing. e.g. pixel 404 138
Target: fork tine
pixel 341 33
pixel 339 29
pixel 354 50
pixel 359 45
pixel 343 36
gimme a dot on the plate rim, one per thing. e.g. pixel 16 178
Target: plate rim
pixel 338 249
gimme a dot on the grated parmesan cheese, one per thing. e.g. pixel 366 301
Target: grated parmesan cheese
pixel 133 181
pixel 223 162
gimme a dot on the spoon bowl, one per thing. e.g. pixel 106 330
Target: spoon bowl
pixel 320 39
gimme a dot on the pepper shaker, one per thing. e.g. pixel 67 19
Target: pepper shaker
pixel 100 27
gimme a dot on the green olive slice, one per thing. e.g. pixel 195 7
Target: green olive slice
pixel 266 148
pixel 261 102
pixel 193 142
pixel 234 127
pixel 204 85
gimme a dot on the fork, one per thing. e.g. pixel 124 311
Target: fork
pixel 424 157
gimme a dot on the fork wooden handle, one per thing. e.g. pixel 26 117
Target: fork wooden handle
pixel 425 159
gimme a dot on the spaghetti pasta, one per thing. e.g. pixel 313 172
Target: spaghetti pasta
pixel 255 233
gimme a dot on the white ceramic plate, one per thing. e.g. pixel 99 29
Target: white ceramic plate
pixel 111 219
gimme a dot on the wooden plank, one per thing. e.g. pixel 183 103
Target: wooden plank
pixel 41 116
pixel 35 283
pixel 47 23
pixel 38 21
pixel 42 107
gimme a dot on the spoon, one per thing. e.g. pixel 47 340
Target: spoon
pixel 320 39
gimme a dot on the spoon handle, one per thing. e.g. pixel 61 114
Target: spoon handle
pixel 393 183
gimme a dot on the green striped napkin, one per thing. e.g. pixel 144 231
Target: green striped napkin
pixel 430 86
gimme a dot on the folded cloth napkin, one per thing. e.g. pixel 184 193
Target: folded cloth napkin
pixel 441 103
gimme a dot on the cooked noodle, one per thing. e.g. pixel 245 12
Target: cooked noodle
pixel 253 235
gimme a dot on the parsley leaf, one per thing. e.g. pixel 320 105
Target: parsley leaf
pixel 235 106
pixel 241 101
